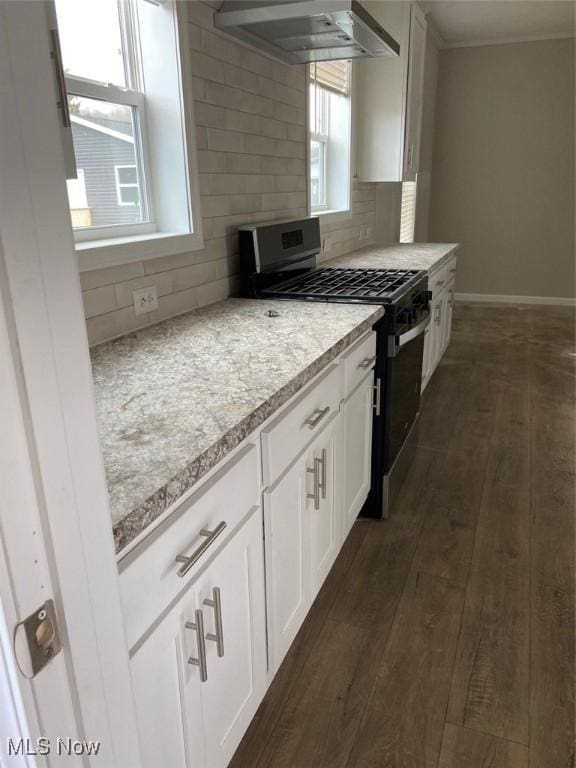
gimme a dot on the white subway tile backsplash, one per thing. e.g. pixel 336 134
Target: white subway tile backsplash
pixel 250 113
pixel 110 275
pixel 175 304
pixel 197 274
pixel 98 301
pixel 225 141
pixel 162 281
pixel 237 184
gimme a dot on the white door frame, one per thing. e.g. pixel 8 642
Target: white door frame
pixel 55 529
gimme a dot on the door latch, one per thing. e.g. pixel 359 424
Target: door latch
pixel 36 640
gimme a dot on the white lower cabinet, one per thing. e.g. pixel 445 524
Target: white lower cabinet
pixel 357 418
pixel 441 306
pixel 213 602
pixel 195 714
pixel 303 535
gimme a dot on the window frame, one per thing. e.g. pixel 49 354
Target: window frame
pixel 131 96
pixel 168 236
pixel 326 209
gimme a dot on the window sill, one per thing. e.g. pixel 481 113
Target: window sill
pixel 111 252
pixel 335 214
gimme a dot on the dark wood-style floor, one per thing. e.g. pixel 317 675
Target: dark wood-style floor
pixel 444 637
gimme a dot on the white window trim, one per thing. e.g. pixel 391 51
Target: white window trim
pixel 335 214
pixel 120 185
pixel 116 247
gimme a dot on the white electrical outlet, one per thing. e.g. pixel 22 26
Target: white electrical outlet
pixel 145 300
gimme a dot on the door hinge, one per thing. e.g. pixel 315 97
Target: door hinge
pixel 37 640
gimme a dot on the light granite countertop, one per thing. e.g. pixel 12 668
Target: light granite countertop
pixel 428 256
pixel 175 398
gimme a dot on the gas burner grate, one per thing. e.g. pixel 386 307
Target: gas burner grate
pixel 349 284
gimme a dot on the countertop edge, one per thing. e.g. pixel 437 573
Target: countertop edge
pixel 146 513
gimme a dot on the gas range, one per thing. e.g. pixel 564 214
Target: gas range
pixel 278 261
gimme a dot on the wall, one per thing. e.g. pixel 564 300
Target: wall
pixel 250 113
pixel 503 167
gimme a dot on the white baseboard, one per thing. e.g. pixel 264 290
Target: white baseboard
pixel 556 301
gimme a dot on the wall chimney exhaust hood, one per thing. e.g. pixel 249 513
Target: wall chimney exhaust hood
pixel 300 31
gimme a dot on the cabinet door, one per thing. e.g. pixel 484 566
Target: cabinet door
pixel 357 450
pixel 231 595
pixel 414 93
pixel 437 309
pixel 167 692
pixel 285 510
pixel 325 532
pixel 303 535
pixel 448 311
pixel 184 720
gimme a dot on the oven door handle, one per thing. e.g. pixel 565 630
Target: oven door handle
pixel 397 342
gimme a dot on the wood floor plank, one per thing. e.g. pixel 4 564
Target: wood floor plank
pixel 252 745
pixel 322 713
pixel 447 540
pixel 404 720
pixel 463 748
pixel 490 689
pixel 510 445
pixel 370 595
pixel 552 634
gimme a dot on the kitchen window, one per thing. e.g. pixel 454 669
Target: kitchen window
pixel 127 91
pixel 329 131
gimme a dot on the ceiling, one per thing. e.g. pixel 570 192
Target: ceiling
pixel 484 22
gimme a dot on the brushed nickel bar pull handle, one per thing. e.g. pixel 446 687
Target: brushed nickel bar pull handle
pixel 367 362
pixel 189 561
pixel 218 638
pixel 317 417
pixel 316 494
pixel 378 399
pixel 200 661
pixel 322 481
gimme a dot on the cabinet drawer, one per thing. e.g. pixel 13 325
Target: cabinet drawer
pixel 291 432
pixel 358 361
pixel 150 581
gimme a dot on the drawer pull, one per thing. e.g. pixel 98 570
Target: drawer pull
pixel 367 362
pixel 440 282
pixel 199 661
pixel 317 417
pixel 211 536
pixel 315 470
pixel 218 638
pixel 322 481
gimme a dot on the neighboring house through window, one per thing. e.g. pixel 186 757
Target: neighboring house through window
pixel 329 129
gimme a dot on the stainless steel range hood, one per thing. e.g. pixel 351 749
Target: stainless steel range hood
pixel 299 31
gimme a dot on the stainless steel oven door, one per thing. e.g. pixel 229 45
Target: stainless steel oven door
pixel 405 378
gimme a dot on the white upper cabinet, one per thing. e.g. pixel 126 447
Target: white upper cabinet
pixel 389 98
